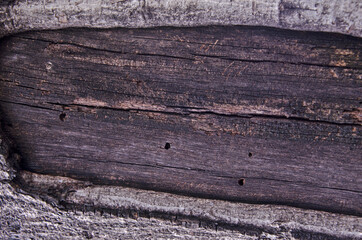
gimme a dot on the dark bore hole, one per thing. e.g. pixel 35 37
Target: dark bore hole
pixel 250 154
pixel 241 181
pixel 62 117
pixel 167 146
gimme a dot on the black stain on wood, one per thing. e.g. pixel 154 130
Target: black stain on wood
pixel 280 108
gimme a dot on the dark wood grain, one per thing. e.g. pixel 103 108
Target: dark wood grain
pixel 247 114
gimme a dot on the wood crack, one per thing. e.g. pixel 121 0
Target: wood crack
pixel 196 110
pixel 29 105
pixel 272 61
pixel 191 54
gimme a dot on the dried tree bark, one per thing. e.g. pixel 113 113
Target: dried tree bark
pixel 342 16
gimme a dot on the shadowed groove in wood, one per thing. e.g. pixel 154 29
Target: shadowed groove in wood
pixel 278 109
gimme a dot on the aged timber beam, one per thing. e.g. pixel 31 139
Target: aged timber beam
pixel 332 124
pixel 238 113
pixel 342 16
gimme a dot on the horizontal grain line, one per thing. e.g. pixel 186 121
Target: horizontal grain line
pixel 162 55
pixel 28 105
pixel 300 119
pixel 106 50
pixel 44 80
pixel 22 86
pixel 201 43
pixel 115 73
pixel 202 111
pixel 159 166
pixel 145 38
pixel 197 111
pixel 273 61
pixel 192 54
pixel 310 45
pixel 144 165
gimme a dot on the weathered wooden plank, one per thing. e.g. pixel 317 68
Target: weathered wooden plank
pixel 306 80
pixel 246 114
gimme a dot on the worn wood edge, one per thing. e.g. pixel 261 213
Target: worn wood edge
pixel 249 219
pixel 23 216
pixel 42 196
pixel 340 16
pixel 33 198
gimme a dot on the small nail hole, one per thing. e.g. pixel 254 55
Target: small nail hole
pixel 250 154
pixel 241 181
pixel 62 117
pixel 167 145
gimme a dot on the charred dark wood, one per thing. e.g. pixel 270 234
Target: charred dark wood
pixel 247 114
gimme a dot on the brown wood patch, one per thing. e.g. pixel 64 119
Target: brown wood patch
pixel 247 114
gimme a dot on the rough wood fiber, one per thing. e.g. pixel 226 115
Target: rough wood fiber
pixel 343 16
pixel 277 112
pixel 25 217
pixel 118 212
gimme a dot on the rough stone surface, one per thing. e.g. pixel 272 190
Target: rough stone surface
pixel 343 16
